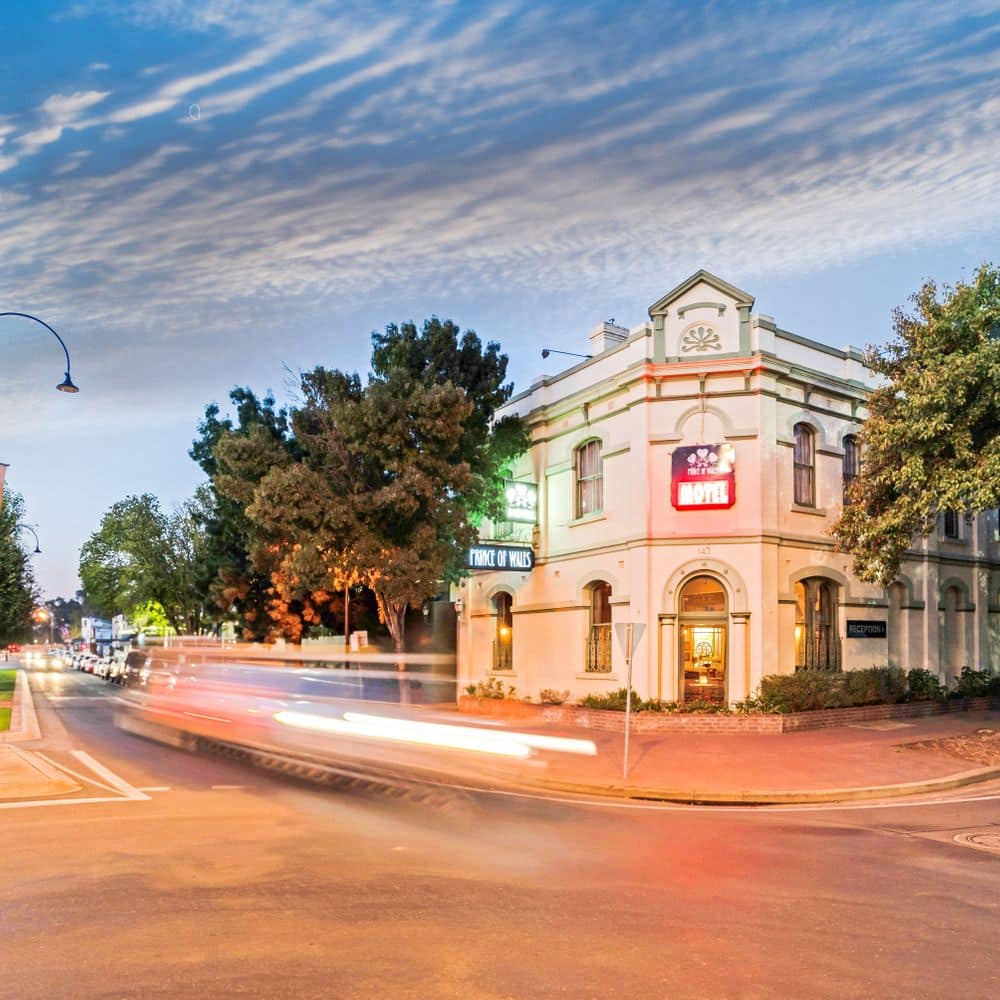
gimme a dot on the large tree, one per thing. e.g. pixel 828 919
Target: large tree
pixel 932 438
pixel 386 478
pixel 18 592
pixel 139 554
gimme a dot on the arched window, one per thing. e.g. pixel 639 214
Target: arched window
pixel 852 462
pixel 589 479
pixel 805 466
pixel 817 634
pixel 503 643
pixel 599 633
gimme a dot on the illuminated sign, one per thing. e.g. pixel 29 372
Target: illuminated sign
pixel 501 557
pixel 857 629
pixel 522 501
pixel 703 477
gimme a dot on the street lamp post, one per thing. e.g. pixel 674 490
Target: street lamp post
pixel 27 527
pixel 66 385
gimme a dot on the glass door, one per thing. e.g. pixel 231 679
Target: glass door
pixel 703 655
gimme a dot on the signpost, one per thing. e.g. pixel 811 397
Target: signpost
pixel 629 635
pixel 703 477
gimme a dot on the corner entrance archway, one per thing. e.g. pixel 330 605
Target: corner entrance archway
pixel 702 618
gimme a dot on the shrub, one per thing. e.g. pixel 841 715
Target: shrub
pixel 492 687
pixel 804 691
pixel 922 685
pixel 973 684
pixel 613 701
pixel 549 696
pixel 874 686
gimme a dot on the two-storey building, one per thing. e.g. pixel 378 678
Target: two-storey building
pixel 683 479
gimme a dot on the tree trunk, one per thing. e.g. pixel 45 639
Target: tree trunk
pixel 393 614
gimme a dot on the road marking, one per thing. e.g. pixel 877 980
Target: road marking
pixel 129 791
pixel 230 788
pixel 64 802
pixel 76 774
pixel 155 788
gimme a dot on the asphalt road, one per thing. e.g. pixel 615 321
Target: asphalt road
pixel 218 879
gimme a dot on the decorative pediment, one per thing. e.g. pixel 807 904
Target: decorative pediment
pixel 736 295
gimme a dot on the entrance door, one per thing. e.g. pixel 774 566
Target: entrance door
pixel 703 656
pixel 703 640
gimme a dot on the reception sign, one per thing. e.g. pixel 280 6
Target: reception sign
pixel 857 629
pixel 501 557
pixel 703 477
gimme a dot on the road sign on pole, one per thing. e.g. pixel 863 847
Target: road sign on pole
pixel 629 635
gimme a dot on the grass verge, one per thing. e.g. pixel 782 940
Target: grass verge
pixel 4 719
pixel 8 679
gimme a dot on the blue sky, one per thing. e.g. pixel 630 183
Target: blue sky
pixel 199 195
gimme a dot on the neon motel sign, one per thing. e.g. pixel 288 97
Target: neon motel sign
pixel 703 477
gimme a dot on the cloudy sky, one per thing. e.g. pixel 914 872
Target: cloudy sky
pixel 203 194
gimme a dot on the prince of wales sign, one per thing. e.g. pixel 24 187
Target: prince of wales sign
pixel 703 477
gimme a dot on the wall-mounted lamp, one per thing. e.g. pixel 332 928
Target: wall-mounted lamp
pixel 459 606
pixel 546 351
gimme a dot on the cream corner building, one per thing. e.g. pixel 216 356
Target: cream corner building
pixel 730 576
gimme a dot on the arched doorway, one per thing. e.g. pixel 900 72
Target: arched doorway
pixel 817 633
pixel 702 618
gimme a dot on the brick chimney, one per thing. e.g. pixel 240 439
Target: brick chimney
pixel 606 336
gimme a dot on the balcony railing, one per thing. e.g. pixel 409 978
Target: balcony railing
pixel 599 649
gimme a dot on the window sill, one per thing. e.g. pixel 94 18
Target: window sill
pixel 587 519
pixel 597 675
pixel 815 511
pixel 505 674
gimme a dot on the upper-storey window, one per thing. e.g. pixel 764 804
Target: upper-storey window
pixel 805 466
pixel 589 479
pixel 852 462
pixel 951 524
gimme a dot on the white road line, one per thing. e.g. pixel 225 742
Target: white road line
pixel 76 774
pixel 63 802
pixel 229 788
pixel 155 788
pixel 129 791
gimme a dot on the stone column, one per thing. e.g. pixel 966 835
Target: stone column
pixel 666 684
pixel 739 669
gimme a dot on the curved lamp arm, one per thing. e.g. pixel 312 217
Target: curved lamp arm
pixel 27 527
pixel 67 383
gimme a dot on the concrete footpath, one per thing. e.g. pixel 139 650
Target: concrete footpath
pixel 864 761
pixel 23 773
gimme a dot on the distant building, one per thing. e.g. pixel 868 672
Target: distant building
pixel 684 479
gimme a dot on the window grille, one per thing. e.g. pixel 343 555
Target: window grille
pixel 852 463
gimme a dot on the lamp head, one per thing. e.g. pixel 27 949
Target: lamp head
pixel 38 551
pixel 545 352
pixel 66 385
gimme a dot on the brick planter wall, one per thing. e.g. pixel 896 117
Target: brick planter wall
pixel 697 722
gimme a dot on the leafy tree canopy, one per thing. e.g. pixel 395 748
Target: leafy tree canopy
pixel 18 592
pixel 932 439
pixel 227 572
pixel 139 554
pixel 382 480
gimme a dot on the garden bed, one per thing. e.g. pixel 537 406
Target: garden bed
pixel 706 722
